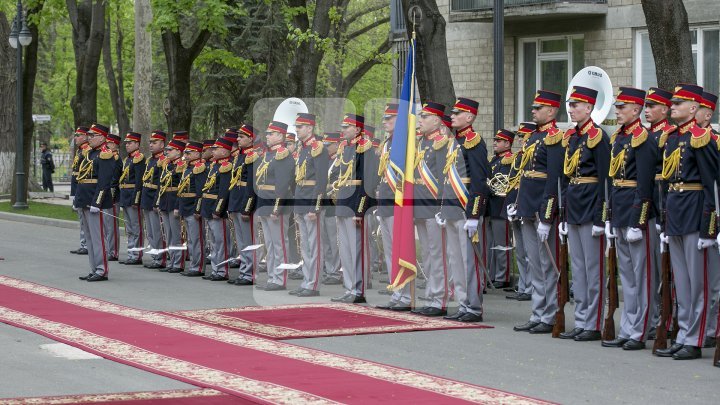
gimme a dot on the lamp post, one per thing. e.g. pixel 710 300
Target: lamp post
pixel 20 36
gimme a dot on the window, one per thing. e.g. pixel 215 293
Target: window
pixel 547 63
pixel 706 56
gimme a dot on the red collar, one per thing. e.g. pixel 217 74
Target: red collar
pixel 686 126
pixel 547 125
pixel 628 129
pixel 463 132
pixel 659 125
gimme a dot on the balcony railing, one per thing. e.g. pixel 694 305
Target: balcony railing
pixel 482 5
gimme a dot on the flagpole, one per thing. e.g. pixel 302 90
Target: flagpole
pixel 413 303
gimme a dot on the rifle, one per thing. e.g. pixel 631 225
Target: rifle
pixel 608 332
pixel 716 357
pixel 563 282
pixel 665 293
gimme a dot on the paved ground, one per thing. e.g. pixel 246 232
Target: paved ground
pixel 539 366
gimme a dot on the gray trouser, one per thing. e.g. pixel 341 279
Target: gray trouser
pixel 690 272
pixel 311 249
pixel 543 275
pixel 210 242
pixel 112 239
pixel 657 278
pixel 173 237
pixel 634 262
pixel 374 241
pixel 133 230
pixel 587 262
pixel 244 238
pixel 153 230
pixel 350 243
pixel 498 260
pixel 524 284
pixel 81 218
pixel 431 240
pixel 713 291
pixel 461 262
pixel 276 244
pixel 330 247
pixel 220 245
pixel 195 243
pixel 386 229
pixel 94 232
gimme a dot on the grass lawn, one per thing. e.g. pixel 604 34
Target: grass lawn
pixel 39 209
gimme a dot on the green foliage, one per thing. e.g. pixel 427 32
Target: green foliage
pixel 244 67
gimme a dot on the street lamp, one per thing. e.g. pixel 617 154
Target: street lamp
pixel 20 36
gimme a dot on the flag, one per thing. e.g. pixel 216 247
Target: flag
pixel 402 167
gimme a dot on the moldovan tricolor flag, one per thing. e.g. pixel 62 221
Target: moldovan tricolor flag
pixel 402 165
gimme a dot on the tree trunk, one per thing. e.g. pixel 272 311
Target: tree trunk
pixel 179 62
pixel 432 68
pixel 8 113
pixel 88 22
pixel 670 42
pixel 117 96
pixel 308 55
pixel 142 78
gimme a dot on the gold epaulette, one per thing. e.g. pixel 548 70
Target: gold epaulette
pixel 699 137
pixel 666 132
pixel 440 142
pixel 180 166
pixel 281 153
pixel 567 135
pixel 614 135
pixel 316 149
pixel 106 153
pixel 138 158
pixel 225 166
pixel 363 145
pixel 595 135
pixel 472 140
pixel 507 159
pixel 639 136
pixel 199 167
pixel 251 157
pixel 554 136
pixel 162 161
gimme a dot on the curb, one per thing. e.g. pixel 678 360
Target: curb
pixel 29 219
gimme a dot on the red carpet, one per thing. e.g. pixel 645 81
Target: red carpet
pixel 174 397
pixel 247 366
pixel 316 320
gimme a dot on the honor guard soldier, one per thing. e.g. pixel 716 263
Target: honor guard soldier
pixel 657 106
pixel 172 169
pixel 587 157
pixel 463 207
pixel 499 228
pixel 94 178
pixel 81 147
pixel 213 208
pixel 242 203
pixel 523 289
pixel 311 171
pixel 187 207
pixel 329 230
pixel 112 234
pixel 373 233
pixel 704 118
pixel 690 167
pixel 632 169
pixel 400 299
pixel 231 134
pixel 537 207
pixel 357 182
pixel 429 163
pixel 207 156
pixel 273 177
pixel 130 192
pixel 148 199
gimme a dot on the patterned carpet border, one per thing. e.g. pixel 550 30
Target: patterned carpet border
pixel 412 322
pixel 105 398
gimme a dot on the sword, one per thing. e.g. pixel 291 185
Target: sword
pixel 481 263
pixel 548 250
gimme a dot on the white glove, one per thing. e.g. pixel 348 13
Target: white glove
pixel 609 233
pixel 543 231
pixel 94 209
pixel 598 231
pixel 439 220
pixel 664 241
pixel 658 228
pixel 562 231
pixel 705 243
pixel 511 211
pixel 471 227
pixel 633 235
